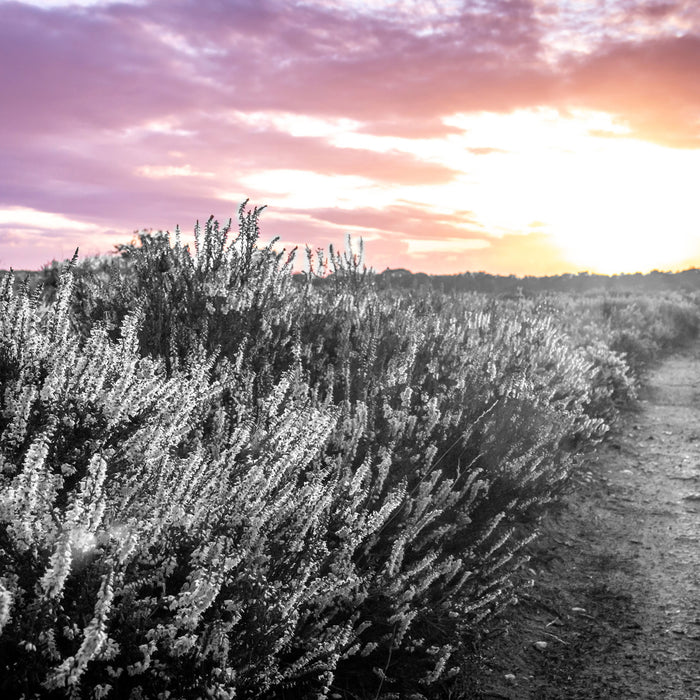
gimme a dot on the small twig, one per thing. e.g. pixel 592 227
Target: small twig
pixel 554 636
pixel 388 661
pixel 581 613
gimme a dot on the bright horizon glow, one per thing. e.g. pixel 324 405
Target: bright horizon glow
pixel 608 202
pixel 605 199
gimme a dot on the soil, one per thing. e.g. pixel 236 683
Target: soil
pixel 614 607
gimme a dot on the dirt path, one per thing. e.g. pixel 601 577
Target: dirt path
pixel 616 594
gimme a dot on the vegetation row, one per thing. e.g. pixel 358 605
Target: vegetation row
pixel 219 479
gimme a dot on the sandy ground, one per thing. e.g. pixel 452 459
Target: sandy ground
pixel 614 611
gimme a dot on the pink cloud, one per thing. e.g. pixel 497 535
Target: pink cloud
pixel 404 222
pixel 652 86
pixel 125 63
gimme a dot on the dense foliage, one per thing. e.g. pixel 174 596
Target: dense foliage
pixel 221 480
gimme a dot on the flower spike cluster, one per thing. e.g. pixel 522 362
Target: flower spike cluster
pixel 220 479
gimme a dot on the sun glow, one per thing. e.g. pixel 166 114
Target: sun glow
pixel 610 203
pixel 634 209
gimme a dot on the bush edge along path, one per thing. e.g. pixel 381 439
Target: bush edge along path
pixel 616 593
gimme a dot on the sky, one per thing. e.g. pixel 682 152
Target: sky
pixel 526 137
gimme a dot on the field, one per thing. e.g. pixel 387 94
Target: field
pixel 219 479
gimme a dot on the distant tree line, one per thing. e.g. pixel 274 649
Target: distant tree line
pixel 483 282
pixel 511 285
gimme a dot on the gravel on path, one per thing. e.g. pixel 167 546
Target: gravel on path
pixel 614 608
